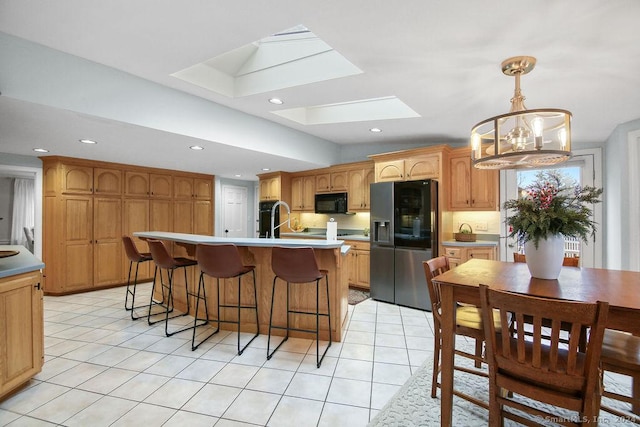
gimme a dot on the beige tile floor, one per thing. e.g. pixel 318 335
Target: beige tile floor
pixel 103 369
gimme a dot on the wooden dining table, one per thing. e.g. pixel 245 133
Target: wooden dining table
pixel 461 284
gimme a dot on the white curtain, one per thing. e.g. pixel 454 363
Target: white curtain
pixel 23 211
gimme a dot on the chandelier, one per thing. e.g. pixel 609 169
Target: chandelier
pixel 521 138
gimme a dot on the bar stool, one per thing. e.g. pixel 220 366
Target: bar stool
pixel 166 262
pixel 223 262
pixel 298 265
pixel 134 257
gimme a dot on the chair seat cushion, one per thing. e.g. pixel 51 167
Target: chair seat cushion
pixel 621 349
pixel 471 317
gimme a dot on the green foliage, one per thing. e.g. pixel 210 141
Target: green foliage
pixel 550 208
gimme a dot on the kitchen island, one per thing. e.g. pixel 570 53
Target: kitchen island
pixel 329 254
pixel 21 318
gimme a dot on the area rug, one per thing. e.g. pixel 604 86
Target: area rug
pixel 356 296
pixel 412 405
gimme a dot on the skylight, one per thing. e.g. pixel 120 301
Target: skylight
pixel 289 58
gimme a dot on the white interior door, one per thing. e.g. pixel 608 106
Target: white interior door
pixel 234 202
pixel 585 161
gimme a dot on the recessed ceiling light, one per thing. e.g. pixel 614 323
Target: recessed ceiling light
pixel 276 101
pixel 237 175
pixel 266 169
pixel 196 147
pixel 40 150
pixel 376 130
pixel 88 141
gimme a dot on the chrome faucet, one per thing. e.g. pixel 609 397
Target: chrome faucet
pixel 273 217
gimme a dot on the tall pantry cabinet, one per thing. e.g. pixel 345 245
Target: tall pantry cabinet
pixel 89 206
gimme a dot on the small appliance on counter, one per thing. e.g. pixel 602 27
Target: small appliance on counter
pixel 404 232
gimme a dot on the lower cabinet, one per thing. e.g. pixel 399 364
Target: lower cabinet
pixel 459 254
pixel 21 330
pixel 359 261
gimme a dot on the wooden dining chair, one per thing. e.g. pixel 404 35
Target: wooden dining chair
pixel 468 324
pixel 557 374
pixel 621 355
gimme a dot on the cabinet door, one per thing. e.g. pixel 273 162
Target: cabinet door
pixel 484 189
pixel 297 188
pixel 77 179
pixel 390 171
pixel 369 178
pixel 202 188
pixel 107 182
pixel 323 183
pixel 21 328
pixel 309 193
pixel 422 167
pixel 135 217
pixel 77 265
pixel 182 187
pixel 352 264
pixel 459 193
pixel 136 184
pixel 363 260
pixel 356 192
pixel 202 217
pixel 481 253
pixel 161 186
pixel 339 181
pixel 274 189
pixel 264 190
pixel 107 234
pixel 182 222
pixel 160 215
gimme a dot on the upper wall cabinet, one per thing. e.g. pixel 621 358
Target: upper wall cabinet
pixel 136 184
pixel 332 182
pixel 275 186
pixel 79 179
pixel 359 182
pixel 471 188
pixel 303 190
pixel 407 166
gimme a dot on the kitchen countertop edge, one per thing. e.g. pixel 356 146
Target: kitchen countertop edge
pixel 24 262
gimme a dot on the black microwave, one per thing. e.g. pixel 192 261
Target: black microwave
pixel 331 203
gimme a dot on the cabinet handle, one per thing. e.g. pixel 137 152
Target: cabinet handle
pixel 37 286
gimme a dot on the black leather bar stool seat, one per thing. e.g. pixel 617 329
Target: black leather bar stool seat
pixel 168 264
pixel 298 266
pixel 136 257
pixel 223 262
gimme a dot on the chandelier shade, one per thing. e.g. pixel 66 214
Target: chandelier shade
pixel 521 138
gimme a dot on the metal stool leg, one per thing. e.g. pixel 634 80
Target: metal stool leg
pixel 201 286
pixel 273 293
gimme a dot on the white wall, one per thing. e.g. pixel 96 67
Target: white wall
pixel 618 192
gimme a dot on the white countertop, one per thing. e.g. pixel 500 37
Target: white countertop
pixel 241 241
pixel 476 243
pixel 24 262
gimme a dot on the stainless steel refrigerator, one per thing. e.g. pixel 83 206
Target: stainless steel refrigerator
pixel 404 232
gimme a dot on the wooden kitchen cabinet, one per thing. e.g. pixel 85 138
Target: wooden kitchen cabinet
pixel 82 230
pixel 160 186
pixel 471 188
pixel 459 254
pixel 332 182
pixel 77 179
pixel 270 189
pixel 21 329
pixel 426 166
pixel 359 193
pixel 303 190
pixel 136 184
pixel 359 263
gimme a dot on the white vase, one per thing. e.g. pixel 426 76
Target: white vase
pixel 545 262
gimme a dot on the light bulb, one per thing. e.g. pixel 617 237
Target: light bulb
pixel 475 146
pixel 538 126
pixel 562 135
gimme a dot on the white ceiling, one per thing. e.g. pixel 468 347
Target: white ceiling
pixel 441 58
